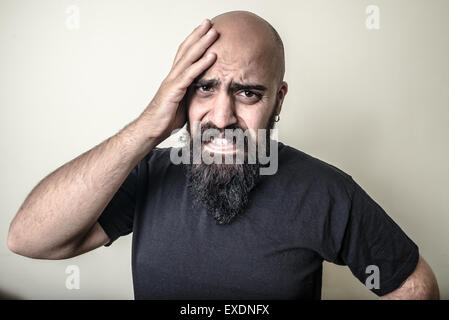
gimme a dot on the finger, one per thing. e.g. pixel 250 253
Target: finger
pixel 195 52
pixel 196 34
pixel 196 69
pixel 194 37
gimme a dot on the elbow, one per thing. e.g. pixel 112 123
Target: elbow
pixel 15 239
pixel 17 245
pixel 12 241
pixel 39 245
pixel 24 246
pixel 427 282
pixel 11 244
pixel 420 285
pixel 425 290
pixel 433 291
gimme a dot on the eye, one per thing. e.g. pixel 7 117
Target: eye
pixel 203 88
pixel 251 95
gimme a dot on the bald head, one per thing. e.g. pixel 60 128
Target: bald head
pixel 245 35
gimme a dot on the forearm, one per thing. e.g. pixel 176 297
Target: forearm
pixel 66 204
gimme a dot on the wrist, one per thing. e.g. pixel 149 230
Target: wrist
pixel 138 136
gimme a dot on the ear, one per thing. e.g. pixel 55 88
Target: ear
pixel 282 92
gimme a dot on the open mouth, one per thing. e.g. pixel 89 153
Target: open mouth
pixel 220 145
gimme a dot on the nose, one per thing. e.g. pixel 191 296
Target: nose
pixel 223 113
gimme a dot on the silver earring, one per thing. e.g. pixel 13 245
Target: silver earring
pixel 277 118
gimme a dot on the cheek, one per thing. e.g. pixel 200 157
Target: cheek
pixel 192 113
pixel 253 118
pixel 195 113
pixel 195 110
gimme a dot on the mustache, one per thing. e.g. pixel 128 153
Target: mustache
pixel 210 125
pixel 232 133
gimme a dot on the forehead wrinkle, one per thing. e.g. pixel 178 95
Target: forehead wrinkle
pixel 227 76
pixel 243 62
pixel 241 68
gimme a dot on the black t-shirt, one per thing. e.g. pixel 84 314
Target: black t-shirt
pixel 309 211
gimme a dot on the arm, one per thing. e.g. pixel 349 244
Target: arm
pixel 420 285
pixel 59 217
pixel 62 210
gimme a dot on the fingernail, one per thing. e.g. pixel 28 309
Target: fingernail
pixel 204 22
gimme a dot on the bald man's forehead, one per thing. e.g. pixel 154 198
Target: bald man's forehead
pixel 242 64
pixel 243 55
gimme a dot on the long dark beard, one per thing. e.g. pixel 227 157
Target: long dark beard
pixel 223 189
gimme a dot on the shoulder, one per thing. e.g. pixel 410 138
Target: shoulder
pixel 157 160
pixel 303 170
pixel 312 199
pixel 157 154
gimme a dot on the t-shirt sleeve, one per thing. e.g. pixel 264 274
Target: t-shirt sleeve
pixel 373 245
pixel 117 218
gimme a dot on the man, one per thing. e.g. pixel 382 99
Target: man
pixel 219 231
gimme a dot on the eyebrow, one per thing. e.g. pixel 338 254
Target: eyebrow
pixel 235 86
